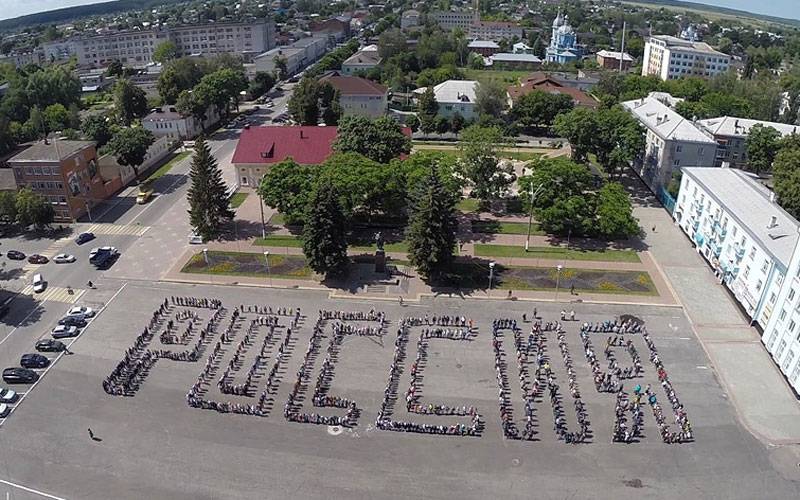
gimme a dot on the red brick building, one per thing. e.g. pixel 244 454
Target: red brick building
pixel 546 83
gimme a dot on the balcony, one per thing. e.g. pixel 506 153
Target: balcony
pixel 716 248
pixel 739 249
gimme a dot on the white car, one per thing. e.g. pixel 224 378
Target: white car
pixel 86 312
pixel 195 239
pixel 7 395
pixel 4 410
pixel 39 284
pixel 64 331
pixel 95 251
pixel 64 258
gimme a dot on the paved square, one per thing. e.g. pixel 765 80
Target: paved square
pixel 152 444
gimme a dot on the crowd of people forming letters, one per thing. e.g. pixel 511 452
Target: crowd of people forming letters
pixel 178 321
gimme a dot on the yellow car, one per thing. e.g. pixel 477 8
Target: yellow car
pixel 144 196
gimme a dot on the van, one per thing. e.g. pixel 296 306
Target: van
pixel 39 283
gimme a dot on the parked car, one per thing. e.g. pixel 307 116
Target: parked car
pixel 34 360
pixel 82 311
pixel 102 256
pixel 8 395
pixel 49 345
pixel 15 255
pixel 19 376
pixel 83 238
pixel 78 321
pixel 4 410
pixel 37 259
pixel 64 258
pixel 64 332
pixel 39 284
pixel 195 239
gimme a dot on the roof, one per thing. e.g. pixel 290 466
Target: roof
pixel 454 91
pixel 370 58
pixel 163 114
pixel 7 180
pixel 51 151
pixel 286 50
pixel 749 203
pixel 686 45
pixel 546 83
pixel 482 44
pixel 665 122
pixel 266 145
pixel 354 85
pixel 496 24
pixel 740 127
pixel 410 12
pixel 610 54
pixel 509 57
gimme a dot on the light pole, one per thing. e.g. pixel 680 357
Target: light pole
pixel 263 224
pixel 269 272
pixel 491 275
pixel 205 255
pixel 558 278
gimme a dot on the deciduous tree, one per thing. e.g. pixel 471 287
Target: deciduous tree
pixel 379 140
pixel 130 101
pixel 762 146
pixel 129 145
pixel 287 187
pixel 96 128
pixel 614 213
pixel 480 147
pixel 165 51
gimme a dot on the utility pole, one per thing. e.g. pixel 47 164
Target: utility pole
pixel 622 49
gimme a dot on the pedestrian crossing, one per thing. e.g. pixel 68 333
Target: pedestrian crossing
pixel 54 249
pixel 118 229
pixel 54 293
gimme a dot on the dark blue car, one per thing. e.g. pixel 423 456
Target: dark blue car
pixel 83 238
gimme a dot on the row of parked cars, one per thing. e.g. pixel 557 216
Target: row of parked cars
pixel 68 326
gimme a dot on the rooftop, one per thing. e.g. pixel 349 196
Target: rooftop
pixel 615 55
pixel 454 91
pixel 749 203
pixel 680 43
pixel 740 127
pixel 307 145
pixel 354 85
pixel 51 151
pixel 7 180
pixel 363 57
pixel 548 83
pixel 162 114
pixel 665 122
pixel 509 57
pixel 483 44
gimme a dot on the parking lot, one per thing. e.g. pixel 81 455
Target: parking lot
pixel 153 445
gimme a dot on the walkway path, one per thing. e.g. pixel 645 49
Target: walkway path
pixel 765 402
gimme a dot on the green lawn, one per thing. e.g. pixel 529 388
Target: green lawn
pixel 467 205
pixel 162 171
pixel 495 227
pixel 249 264
pixel 279 240
pixel 505 76
pixel 278 219
pixel 237 199
pixel 556 253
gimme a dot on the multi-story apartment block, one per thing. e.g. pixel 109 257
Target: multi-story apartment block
pixel 59 50
pixel 494 30
pixel 451 19
pixel 20 59
pixel 669 57
pixel 410 19
pixel 136 47
pixel 752 245
pixel 731 136
pixel 298 55
pixel 65 172
pixel 672 142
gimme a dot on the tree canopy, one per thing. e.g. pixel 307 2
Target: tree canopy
pixel 480 147
pixel 379 140
pixel 325 232
pixel 129 146
pixel 209 206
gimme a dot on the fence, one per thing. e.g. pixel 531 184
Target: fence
pixel 666 199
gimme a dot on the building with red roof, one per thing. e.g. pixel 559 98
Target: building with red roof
pixel 359 96
pixel 547 83
pixel 260 147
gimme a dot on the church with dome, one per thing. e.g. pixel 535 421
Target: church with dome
pixel 564 46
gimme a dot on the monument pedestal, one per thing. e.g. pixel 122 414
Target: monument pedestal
pixel 380 261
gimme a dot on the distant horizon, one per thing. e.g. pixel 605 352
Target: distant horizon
pixel 779 8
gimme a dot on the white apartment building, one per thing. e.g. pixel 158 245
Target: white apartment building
pixel 359 96
pixel 731 136
pixel 166 121
pixel 136 47
pixel 455 96
pixel 494 30
pixel 20 59
pixel 752 245
pixel 669 57
pixel 59 50
pixel 672 142
pixel 450 19
pixel 298 55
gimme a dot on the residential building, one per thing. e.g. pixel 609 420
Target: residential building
pixel 20 59
pixel 609 59
pixel 455 96
pixel 95 80
pixel 363 60
pixel 449 19
pixel 731 136
pixel 494 30
pixel 359 96
pixel 136 47
pixel 334 29
pixel 65 172
pixel 260 147
pixel 521 48
pixel 672 142
pixel 59 50
pixel 752 245
pixel 166 121
pixel 7 180
pixel 483 47
pixel 298 55
pixel 410 19
pixel 547 82
pixel 120 176
pixel 563 46
pixel 506 60
pixel 669 57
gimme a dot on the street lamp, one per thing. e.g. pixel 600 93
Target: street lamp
pixel 269 272
pixel 491 274
pixel 205 256
pixel 559 268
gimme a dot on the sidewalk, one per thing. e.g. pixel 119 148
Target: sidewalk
pixel 764 401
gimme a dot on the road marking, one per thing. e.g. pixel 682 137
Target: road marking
pixel 30 490
pixel 23 321
pixel 58 357
pixel 118 229
pixel 54 293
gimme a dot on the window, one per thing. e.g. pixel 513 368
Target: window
pixel 759 285
pixel 676 163
pixel 772 298
pixel 788 360
pixel 795 373
pixel 792 324
pixel 772 339
pixel 679 148
pixel 781 348
pixel 752 253
pixel 791 294
pixel 782 315
pixel 765 266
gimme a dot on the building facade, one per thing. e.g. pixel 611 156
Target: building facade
pixel 409 19
pixel 455 96
pixel 359 96
pixel 166 121
pixel 64 172
pixel 450 19
pixel 483 47
pixel 135 48
pixel 563 46
pixel 298 55
pixel 731 136
pixel 669 57
pixel 494 30
pixel 511 61
pixel 363 60
pixel 609 59
pixel 751 243
pixel 672 142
